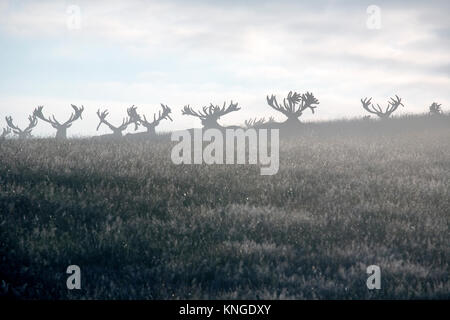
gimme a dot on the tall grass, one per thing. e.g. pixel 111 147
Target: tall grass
pixel 348 194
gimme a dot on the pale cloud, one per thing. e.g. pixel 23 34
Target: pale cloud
pixel 216 51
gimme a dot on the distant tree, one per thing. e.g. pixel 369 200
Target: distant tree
pixel 435 109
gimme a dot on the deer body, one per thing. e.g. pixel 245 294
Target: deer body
pixel 61 133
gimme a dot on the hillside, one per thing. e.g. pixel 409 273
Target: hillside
pixel 348 194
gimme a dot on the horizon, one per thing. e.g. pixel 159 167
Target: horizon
pixel 344 120
pixel 114 55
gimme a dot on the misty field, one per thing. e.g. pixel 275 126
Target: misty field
pixel 348 194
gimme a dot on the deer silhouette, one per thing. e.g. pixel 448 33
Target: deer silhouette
pixel 210 115
pixel 117 130
pixel 393 104
pixel 61 128
pixel 293 106
pixel 149 125
pixel 25 133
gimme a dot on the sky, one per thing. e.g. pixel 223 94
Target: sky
pixel 115 54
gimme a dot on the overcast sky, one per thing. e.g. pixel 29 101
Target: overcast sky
pixel 115 54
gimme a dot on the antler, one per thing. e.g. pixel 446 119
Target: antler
pixel 187 110
pixel 393 104
pixel 38 113
pixel 134 116
pixel 161 115
pixel 74 116
pixel 33 122
pixel 212 111
pixel 10 123
pixel 22 133
pixel 294 104
pixel 217 111
pixel 6 131
pixel 252 123
pixel 102 116
pixel 125 122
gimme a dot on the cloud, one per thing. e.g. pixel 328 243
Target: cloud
pixel 197 52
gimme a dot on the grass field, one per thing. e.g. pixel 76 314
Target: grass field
pixel 348 194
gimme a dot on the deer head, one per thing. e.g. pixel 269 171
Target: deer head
pixel 294 104
pixel 117 131
pixel 393 104
pixel 151 125
pixel 210 115
pixel 25 133
pixel 435 109
pixel 61 128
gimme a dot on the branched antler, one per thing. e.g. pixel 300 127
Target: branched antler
pixel 151 125
pixel 294 104
pixel 5 133
pixel 210 115
pixel 117 131
pixel 256 123
pixel 61 128
pixel 393 104
pixel 25 133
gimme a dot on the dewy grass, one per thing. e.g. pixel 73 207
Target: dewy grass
pixel 348 194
